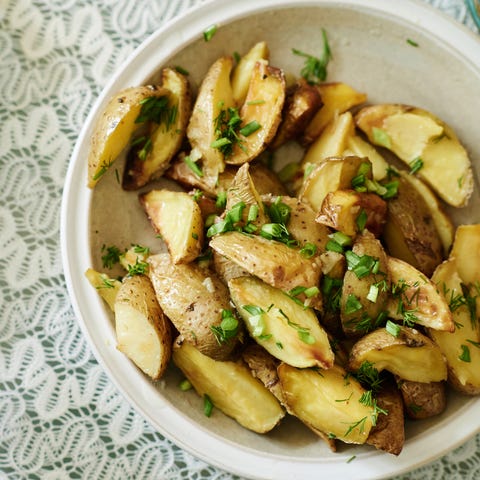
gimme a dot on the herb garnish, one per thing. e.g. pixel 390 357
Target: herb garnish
pixel 314 70
pixel 415 165
pixel 207 405
pixel 465 355
pixel 111 257
pixel 210 32
pixel 227 329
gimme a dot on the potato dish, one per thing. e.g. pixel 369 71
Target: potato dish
pixel 335 289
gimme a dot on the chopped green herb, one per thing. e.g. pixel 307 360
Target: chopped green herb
pixel 351 459
pixel 207 405
pixel 210 32
pixel 352 304
pixel 252 213
pixel 411 42
pixel 308 250
pixel 331 291
pixel 381 137
pixel 314 70
pixel 185 385
pixel 227 329
pixel 465 355
pixel 414 408
pixel 182 70
pixel 333 246
pixel 369 376
pixel 138 268
pixel 303 333
pixel 193 166
pixel 255 102
pixel 197 194
pixel 360 425
pixel 393 328
pixel 288 172
pixel 341 239
pixel 111 257
pixel 416 165
pixel 372 294
pixel 345 399
pixel 250 128
pixel 221 200
pixel 361 220
pixel 155 109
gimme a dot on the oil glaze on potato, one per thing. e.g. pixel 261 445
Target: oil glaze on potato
pixel 165 138
pixel 114 129
pixel 287 330
pixel 231 388
pixel 143 332
pixel 410 355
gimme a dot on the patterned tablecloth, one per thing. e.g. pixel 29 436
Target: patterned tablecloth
pixel 60 416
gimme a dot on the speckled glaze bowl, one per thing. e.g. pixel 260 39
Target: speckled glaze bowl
pixel 371 41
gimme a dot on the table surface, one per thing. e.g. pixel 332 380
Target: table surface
pixel 60 415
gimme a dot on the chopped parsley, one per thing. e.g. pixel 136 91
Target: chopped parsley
pixel 465 355
pixel 227 329
pixel 207 405
pixel 381 137
pixel 111 256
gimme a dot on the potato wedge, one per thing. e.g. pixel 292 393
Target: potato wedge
pixel 215 94
pixel 177 217
pixel 231 388
pixel 114 128
pixel 389 432
pixel 337 98
pixel 275 263
pixel 341 210
pixel 243 190
pixel 443 223
pixel 415 134
pixel 143 332
pixel 263 104
pixel 327 401
pixel 410 233
pixel 106 287
pixel 365 286
pixel 302 225
pixel 416 299
pixel 423 400
pixel 193 299
pixel 359 147
pixel 151 157
pixel 461 347
pixel 300 106
pixel 332 174
pixel 287 330
pixel 410 355
pixel 242 73
pixel 332 142
pixel 226 269
pixel 466 252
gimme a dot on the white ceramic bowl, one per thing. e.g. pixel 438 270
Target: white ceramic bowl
pixel 370 49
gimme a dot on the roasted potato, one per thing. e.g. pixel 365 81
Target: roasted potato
pixel 151 155
pixel 230 387
pixel 388 434
pixel 242 73
pixel 226 269
pixel 332 142
pixel 365 286
pixel 416 136
pixel 410 233
pixel 301 224
pixel 143 332
pixel 327 401
pixel 334 173
pixel 359 147
pixel 286 329
pixel 215 94
pixel 443 224
pixel 194 299
pixel 423 400
pixel 466 252
pixel 301 104
pixel 107 287
pixel 337 98
pixel 409 354
pixel 462 346
pixel 275 263
pixel 341 210
pixel 114 128
pixel 177 217
pixel 416 298
pixel 263 105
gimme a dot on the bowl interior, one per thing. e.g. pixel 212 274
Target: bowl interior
pixel 371 52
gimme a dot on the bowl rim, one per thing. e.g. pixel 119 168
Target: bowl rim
pixel 74 237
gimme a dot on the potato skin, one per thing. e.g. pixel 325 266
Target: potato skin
pixel 193 298
pixel 389 432
pixel 423 400
pixel 410 232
